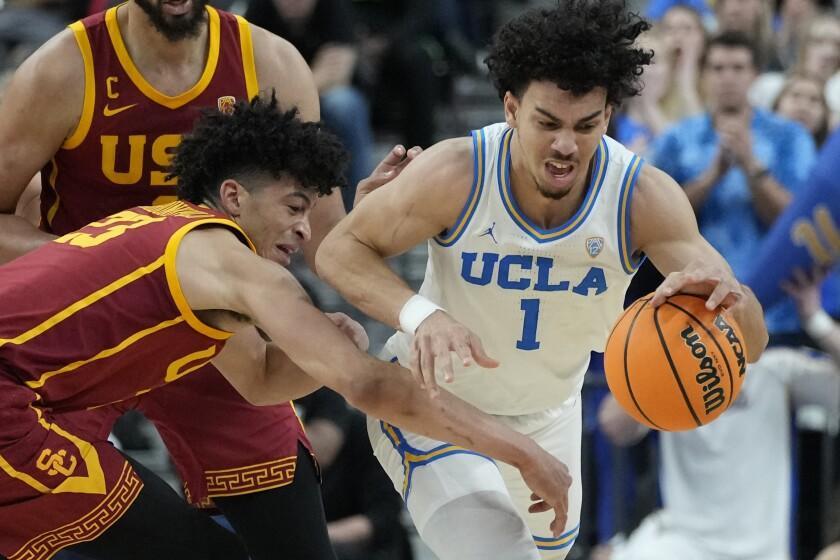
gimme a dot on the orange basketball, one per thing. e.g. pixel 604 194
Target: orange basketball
pixel 675 367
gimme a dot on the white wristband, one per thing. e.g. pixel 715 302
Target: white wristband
pixel 818 325
pixel 414 312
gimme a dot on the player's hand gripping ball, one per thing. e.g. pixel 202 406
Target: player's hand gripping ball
pixel 675 367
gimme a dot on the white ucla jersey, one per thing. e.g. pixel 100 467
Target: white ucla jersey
pixel 540 300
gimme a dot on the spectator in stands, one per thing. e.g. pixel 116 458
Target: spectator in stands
pixel 363 511
pixel 739 165
pixel 26 24
pixel 715 507
pixel 754 19
pixel 322 32
pixel 684 37
pixel 819 58
pixel 641 118
pixel 791 27
pixel 398 42
pixel 802 99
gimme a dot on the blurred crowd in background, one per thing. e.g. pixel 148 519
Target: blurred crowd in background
pixel 740 92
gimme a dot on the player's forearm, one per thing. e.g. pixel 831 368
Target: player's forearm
pixel 360 274
pixel 284 381
pixel 19 237
pixel 750 317
pixel 393 396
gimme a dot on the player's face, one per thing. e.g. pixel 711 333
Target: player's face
pixel 175 19
pixel 558 134
pixel 728 74
pixel 276 218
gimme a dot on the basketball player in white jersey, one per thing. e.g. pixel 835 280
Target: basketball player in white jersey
pixel 535 227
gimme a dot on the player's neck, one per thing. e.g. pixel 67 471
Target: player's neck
pixel 172 67
pixel 547 213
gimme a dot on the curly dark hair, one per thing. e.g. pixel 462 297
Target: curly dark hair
pixel 578 45
pixel 256 140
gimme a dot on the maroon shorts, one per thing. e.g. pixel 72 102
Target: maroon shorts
pixel 59 485
pixel 220 444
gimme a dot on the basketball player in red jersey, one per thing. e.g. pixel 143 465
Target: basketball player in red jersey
pixel 99 110
pixel 174 284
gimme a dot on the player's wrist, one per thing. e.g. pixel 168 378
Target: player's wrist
pixel 416 310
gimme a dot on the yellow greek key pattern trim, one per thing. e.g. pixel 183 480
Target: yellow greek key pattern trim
pixel 89 527
pixel 253 478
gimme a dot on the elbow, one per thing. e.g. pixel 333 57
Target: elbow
pixel 365 392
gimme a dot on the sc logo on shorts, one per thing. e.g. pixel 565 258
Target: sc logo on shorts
pixel 53 463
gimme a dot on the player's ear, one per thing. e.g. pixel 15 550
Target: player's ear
pixel 231 196
pixel 607 116
pixel 511 104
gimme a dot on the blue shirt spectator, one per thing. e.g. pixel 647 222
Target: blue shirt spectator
pixel 727 218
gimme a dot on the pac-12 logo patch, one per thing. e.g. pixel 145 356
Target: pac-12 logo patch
pixel 226 103
pixel 594 245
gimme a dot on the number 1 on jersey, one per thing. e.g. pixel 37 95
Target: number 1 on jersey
pixel 529 341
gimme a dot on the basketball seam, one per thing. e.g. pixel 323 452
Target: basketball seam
pixel 674 367
pixel 626 372
pixel 720 349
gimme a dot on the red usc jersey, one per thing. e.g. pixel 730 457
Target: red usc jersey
pixel 106 166
pixel 81 313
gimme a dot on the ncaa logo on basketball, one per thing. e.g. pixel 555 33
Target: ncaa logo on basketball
pixel 594 245
pixel 226 103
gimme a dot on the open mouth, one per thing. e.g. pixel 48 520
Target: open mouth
pixel 560 173
pixel 289 250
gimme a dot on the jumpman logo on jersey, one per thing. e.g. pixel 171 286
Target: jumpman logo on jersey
pixel 489 232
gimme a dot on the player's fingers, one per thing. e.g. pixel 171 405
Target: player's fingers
pixel 539 507
pixel 414 363
pixel 479 355
pixel 559 523
pixel 392 159
pixel 666 289
pixel 427 367
pixel 443 361
pixel 462 348
pixel 725 294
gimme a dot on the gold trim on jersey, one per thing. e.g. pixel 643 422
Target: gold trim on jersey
pixel 80 133
pixel 148 89
pixel 88 527
pixel 175 284
pixel 86 301
pixel 91 483
pixel 252 84
pixel 106 353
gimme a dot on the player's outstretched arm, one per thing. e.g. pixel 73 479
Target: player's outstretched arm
pixel 663 227
pixel 423 201
pixel 217 272
pixel 41 108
